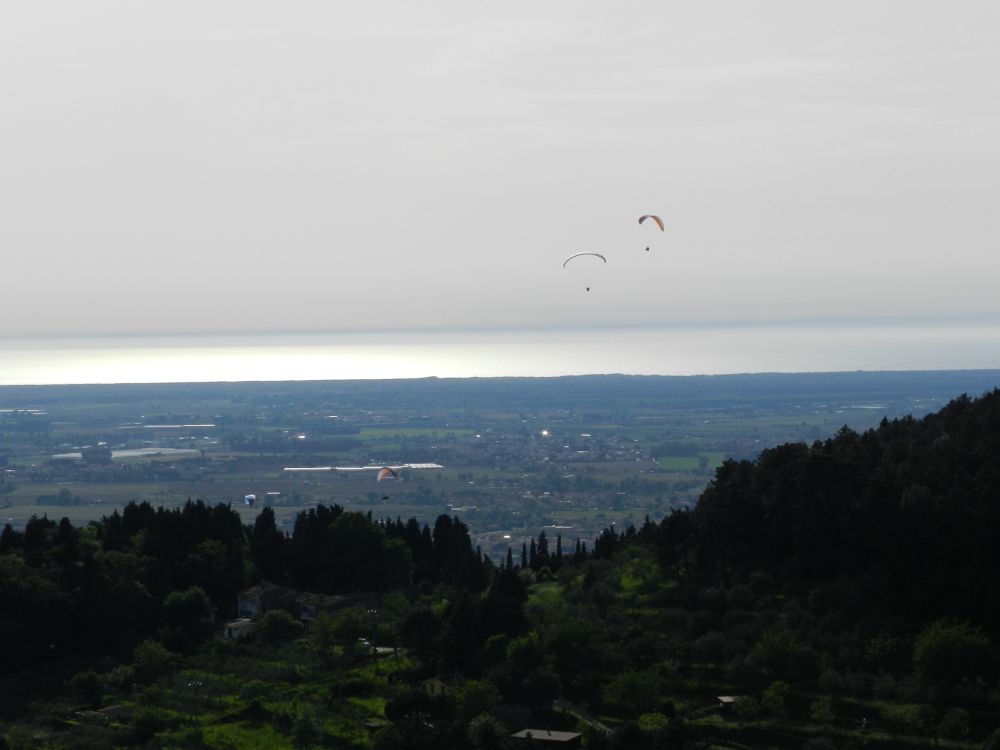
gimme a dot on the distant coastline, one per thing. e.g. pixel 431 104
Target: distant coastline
pixel 545 353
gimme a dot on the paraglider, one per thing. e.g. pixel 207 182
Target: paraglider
pixel 656 219
pixel 249 500
pixel 577 255
pixel 384 472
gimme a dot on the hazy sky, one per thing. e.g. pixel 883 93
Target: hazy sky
pixel 320 166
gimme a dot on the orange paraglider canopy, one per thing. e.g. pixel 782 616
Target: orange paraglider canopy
pixel 657 219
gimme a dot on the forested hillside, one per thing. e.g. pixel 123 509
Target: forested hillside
pixel 842 592
pixel 901 521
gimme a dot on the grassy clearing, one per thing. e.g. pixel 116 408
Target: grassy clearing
pixel 678 463
pixel 335 695
pixel 638 576
pixel 715 459
pixel 548 592
pixel 245 734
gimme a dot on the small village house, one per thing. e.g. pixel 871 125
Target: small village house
pixel 237 628
pixel 439 684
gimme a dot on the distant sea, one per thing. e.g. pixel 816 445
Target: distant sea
pixel 692 350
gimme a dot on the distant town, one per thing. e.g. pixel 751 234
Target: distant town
pixel 509 456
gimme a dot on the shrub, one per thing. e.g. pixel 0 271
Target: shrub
pixel 906 689
pixel 634 692
pixel 120 679
pixel 475 698
pixel 947 651
pixel 88 686
pixel 904 715
pixel 253 694
pixel 541 685
pixel 821 710
pixel 186 609
pixel 414 703
pixel 772 701
pixel 487 731
pixel 306 730
pixel 774 651
pixel 653 722
pixel 276 626
pixel 147 721
pixel 746 707
pixel 955 723
pixel 193 737
pixel 885 652
pixel 151 660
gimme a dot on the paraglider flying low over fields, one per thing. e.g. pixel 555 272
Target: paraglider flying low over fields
pixel 384 472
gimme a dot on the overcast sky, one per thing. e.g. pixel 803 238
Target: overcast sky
pixel 316 166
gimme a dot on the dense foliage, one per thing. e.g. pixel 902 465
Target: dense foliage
pixel 843 590
pixel 904 517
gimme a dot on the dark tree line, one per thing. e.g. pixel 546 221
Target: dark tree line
pixel 67 588
pixel 333 551
pixel 898 522
pixel 903 518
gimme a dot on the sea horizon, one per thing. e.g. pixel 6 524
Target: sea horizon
pixel 677 350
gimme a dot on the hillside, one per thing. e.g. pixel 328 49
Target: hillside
pixel 841 592
pixel 900 521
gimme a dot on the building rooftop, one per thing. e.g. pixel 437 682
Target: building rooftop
pixel 546 735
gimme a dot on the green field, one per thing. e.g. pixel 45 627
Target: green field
pixel 515 477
